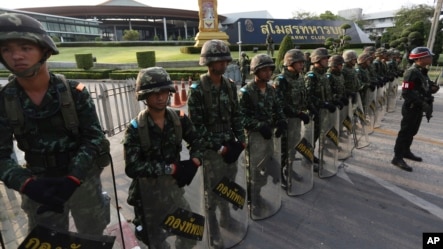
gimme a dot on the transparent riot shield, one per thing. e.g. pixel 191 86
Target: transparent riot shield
pixel 225 198
pixel 328 143
pixel 379 104
pixel 264 175
pixel 345 132
pixel 173 216
pixel 361 138
pixel 301 157
pixel 369 106
pixel 392 96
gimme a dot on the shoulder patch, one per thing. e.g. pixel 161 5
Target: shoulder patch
pixel 243 89
pixel 312 75
pixel 134 123
pixel 194 85
pixel 80 87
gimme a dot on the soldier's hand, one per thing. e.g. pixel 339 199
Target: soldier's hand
pixel 234 149
pixel 331 107
pixel 339 104
pixel 265 131
pixel 41 190
pixel 304 117
pixel 282 126
pixel 184 172
pixel 344 100
pixel 67 187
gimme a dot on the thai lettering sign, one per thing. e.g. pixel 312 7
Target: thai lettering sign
pixel 254 31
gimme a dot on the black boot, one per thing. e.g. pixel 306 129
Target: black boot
pixel 412 157
pixel 399 162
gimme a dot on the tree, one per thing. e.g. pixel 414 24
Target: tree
pixel 303 15
pixel 328 15
pixel 339 44
pixel 412 26
pixel 285 45
pixel 131 35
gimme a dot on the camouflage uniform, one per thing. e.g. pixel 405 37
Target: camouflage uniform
pixel 352 83
pixel 51 150
pixel 291 90
pixel 363 75
pixel 244 67
pixel 218 123
pixel 336 80
pixel 152 163
pixel 318 89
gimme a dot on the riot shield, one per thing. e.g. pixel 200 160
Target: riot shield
pixel 328 143
pixel 369 109
pixel 225 198
pixel 264 175
pixel 392 96
pixel 361 138
pixel 173 216
pixel 345 132
pixel 379 104
pixel 300 157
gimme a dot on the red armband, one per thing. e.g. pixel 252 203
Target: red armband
pixel 407 85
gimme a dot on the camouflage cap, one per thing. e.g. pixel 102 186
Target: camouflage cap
pixel 369 49
pixel 362 58
pixel 293 55
pixel 381 51
pixel 318 54
pixel 335 60
pixel 20 26
pixel 152 79
pixel 214 50
pixel 261 61
pixel 349 55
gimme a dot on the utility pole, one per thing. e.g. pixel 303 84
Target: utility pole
pixel 434 25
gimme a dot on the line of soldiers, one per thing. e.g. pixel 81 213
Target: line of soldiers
pixel 273 133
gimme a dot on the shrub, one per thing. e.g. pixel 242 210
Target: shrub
pixel 84 61
pixel 146 59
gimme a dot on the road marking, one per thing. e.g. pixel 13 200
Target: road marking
pixel 431 208
pixel 416 137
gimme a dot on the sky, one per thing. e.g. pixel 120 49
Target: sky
pixel 279 9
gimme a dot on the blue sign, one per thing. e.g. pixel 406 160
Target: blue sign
pixel 254 31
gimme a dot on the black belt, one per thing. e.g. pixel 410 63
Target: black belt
pixel 49 160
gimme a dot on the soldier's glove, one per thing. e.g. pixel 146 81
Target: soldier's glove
pixel 372 86
pixel 331 107
pixel 434 88
pixel 313 111
pixel 282 126
pixel 233 151
pixel 338 103
pixel 344 100
pixel 184 172
pixel 265 131
pixel 42 190
pixel 67 186
pixel 353 96
pixel 304 117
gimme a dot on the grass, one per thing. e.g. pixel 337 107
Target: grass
pixel 128 54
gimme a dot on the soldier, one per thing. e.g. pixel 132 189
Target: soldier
pixel 352 83
pixel 214 109
pixel 337 81
pixel 290 88
pixel 270 45
pixel 307 63
pixel 262 112
pixel 362 68
pixel 319 89
pixel 417 90
pixel 55 123
pixel 152 148
pixel 244 67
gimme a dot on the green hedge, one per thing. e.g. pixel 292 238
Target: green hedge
pixel 84 61
pixel 145 59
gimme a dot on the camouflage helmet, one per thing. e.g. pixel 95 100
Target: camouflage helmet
pixel 362 58
pixel 214 50
pixel 318 54
pixel 293 55
pixel 20 26
pixel 261 61
pixel 420 52
pixel 380 51
pixel 369 49
pixel 243 54
pixel 335 60
pixel 152 79
pixel 349 55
